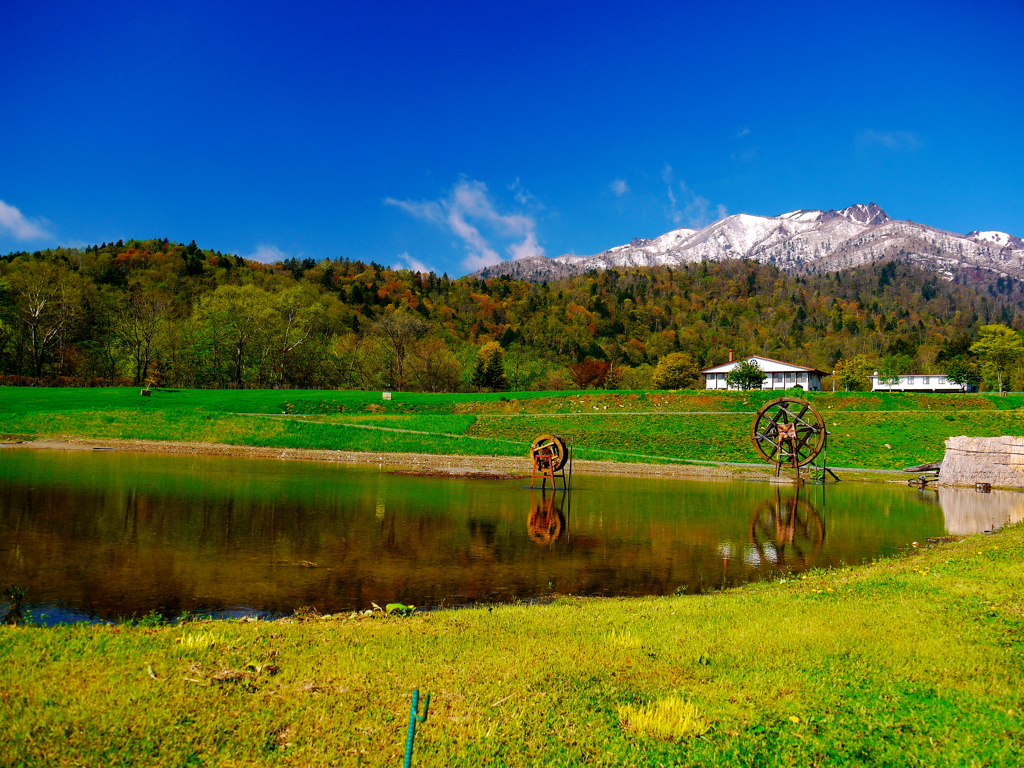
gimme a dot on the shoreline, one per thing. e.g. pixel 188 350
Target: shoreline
pixel 439 465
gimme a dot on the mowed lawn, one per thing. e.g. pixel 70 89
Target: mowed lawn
pixel 868 430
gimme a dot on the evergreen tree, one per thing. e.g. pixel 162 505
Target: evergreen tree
pixel 489 372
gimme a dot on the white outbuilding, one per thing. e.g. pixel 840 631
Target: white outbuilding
pixel 917 382
pixel 780 375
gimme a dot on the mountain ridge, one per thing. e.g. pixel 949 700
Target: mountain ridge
pixel 800 242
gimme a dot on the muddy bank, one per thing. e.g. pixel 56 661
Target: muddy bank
pixel 415 463
pixel 496 467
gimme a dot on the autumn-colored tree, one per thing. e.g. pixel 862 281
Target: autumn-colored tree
pixel 627 318
pixel 589 372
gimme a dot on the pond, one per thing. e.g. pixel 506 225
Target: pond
pixel 103 536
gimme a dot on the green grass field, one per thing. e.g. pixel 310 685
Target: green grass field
pixel 868 430
pixel 914 661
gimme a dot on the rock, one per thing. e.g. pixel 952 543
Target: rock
pixel 995 460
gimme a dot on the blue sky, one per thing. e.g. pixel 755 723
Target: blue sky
pixel 448 135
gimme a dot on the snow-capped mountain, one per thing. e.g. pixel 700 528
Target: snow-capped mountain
pixel 1001 239
pixel 799 242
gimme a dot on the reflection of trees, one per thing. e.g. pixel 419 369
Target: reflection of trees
pixel 787 531
pixel 546 522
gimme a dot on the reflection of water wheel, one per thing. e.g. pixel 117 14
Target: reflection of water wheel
pixel 545 522
pixel 788 432
pixel 787 531
pixel 549 452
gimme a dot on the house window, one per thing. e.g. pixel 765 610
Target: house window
pixel 925 380
pixel 910 379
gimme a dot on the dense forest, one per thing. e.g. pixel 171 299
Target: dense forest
pixel 180 315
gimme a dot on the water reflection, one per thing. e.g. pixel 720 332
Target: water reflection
pixel 111 535
pixel 787 530
pixel 546 522
pixel 966 511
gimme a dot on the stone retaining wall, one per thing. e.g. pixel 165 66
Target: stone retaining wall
pixel 995 460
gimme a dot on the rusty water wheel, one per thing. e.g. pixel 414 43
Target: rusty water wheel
pixel 553 445
pixel 788 432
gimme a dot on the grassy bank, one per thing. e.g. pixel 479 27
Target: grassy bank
pixel 870 430
pixel 915 661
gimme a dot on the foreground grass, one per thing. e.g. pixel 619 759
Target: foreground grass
pixel 869 430
pixel 916 661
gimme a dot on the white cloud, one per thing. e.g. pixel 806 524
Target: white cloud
pixel 430 211
pixel 696 211
pixel 15 223
pixel 619 187
pixel 268 254
pixel 904 141
pixel 744 132
pixel 469 213
pixel 414 264
pixel 674 214
pixel 529 247
pixel 523 196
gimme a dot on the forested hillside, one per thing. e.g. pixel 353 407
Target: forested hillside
pixel 186 316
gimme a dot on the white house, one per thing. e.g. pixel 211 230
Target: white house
pixel 918 382
pixel 781 375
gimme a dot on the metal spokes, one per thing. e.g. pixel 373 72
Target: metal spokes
pixel 551 450
pixel 788 432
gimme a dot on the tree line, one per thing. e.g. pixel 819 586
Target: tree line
pixel 181 315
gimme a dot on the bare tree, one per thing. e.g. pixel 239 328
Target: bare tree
pixel 47 304
pixel 399 330
pixel 145 314
pixel 433 367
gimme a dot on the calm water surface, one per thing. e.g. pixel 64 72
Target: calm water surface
pixel 107 535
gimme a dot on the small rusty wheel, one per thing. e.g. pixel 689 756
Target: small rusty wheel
pixel 549 446
pixel 545 522
pixel 788 432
